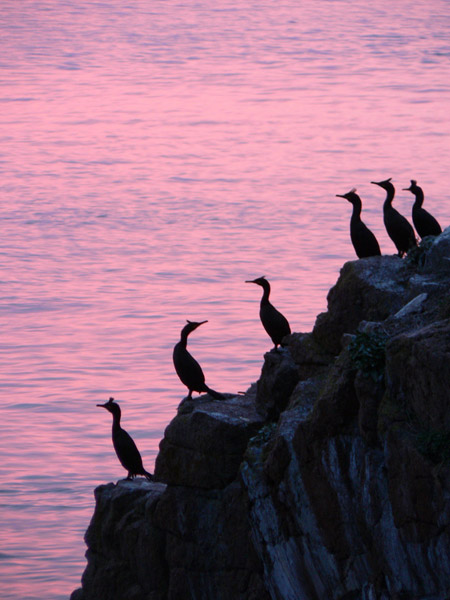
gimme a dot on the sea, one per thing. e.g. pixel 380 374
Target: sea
pixel 153 157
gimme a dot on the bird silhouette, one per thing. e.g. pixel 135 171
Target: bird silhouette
pixel 187 368
pixel 363 240
pixel 126 450
pixel 275 324
pixel 398 228
pixel 424 223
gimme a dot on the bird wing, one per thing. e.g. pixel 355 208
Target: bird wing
pixel 188 369
pixel 127 452
pixel 364 241
pixel 274 323
pixel 425 223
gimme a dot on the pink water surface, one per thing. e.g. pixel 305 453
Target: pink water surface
pixel 154 156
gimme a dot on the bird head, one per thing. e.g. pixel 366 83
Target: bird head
pixel 262 281
pixel 351 196
pixel 413 187
pixel 191 325
pixel 111 406
pixel 386 184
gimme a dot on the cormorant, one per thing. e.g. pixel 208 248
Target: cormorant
pixel 273 321
pixel 363 240
pixel 123 443
pixel 187 368
pixel 398 228
pixel 424 223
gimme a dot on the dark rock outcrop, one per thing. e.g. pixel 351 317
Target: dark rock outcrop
pixel 203 446
pixel 279 376
pixel 369 289
pixel 123 542
pixel 330 479
pixel 418 373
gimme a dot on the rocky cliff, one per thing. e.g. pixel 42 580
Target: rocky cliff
pixel 328 480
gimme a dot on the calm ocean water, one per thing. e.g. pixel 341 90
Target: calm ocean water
pixel 153 156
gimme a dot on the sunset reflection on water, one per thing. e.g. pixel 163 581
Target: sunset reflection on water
pixel 153 158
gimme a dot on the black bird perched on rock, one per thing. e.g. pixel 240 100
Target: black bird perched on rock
pixel 273 321
pixel 398 228
pixel 187 368
pixel 363 240
pixel 123 443
pixel 424 223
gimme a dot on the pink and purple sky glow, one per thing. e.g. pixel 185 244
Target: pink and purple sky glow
pixel 153 157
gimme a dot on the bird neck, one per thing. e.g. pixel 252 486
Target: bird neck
pixel 418 192
pixel 116 422
pixel 356 211
pixel 390 193
pixel 266 292
pixel 183 339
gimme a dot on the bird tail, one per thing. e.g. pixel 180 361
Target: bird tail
pixel 147 475
pixel 214 394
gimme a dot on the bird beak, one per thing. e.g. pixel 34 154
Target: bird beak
pixel 380 183
pixel 250 281
pixel 102 405
pixel 340 196
pixel 406 189
pixel 195 324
